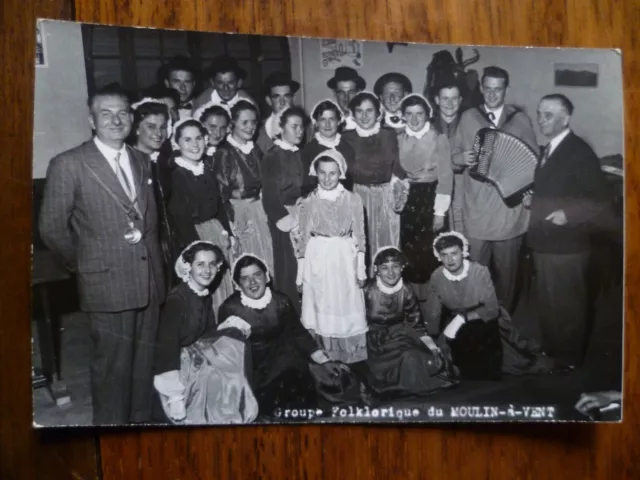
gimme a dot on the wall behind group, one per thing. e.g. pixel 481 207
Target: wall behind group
pixel 598 116
pixel 61 114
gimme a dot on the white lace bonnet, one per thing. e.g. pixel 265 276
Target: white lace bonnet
pixel 182 267
pixel 458 235
pixel 244 255
pixel 334 155
pixel 159 102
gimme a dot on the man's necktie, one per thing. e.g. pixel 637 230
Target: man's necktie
pixel 449 127
pixel 122 177
pixel 492 116
pixel 186 106
pixel 545 155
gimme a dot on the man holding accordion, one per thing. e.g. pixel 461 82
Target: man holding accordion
pixel 496 145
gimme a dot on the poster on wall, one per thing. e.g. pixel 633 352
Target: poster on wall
pixel 41 49
pixel 260 237
pixel 576 74
pixel 336 53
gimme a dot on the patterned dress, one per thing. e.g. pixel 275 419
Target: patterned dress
pixel 240 186
pixel 211 365
pixel 427 161
pixel 399 361
pixel 376 161
pixel 332 232
pixel 280 353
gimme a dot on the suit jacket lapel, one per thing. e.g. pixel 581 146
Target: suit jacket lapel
pixel 564 143
pixel 558 152
pixel 100 166
pixel 484 114
pixel 140 178
pixel 504 116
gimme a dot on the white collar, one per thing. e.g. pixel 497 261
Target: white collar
pixel 196 170
pixel 109 152
pixel 460 276
pixel 244 148
pixel 367 133
pixel 195 288
pixel 211 149
pixel 215 98
pixel 283 144
pixel 326 142
pixel 497 112
pixel 389 290
pixel 272 125
pixel 154 156
pixel 555 141
pixel 258 304
pixel 391 123
pixel 331 195
pixel 349 123
pixel 420 133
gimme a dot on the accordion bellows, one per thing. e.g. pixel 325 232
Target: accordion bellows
pixel 503 160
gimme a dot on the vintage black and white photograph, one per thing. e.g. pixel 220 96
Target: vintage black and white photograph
pixel 246 229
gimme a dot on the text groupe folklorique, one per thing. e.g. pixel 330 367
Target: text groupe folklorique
pixel 528 412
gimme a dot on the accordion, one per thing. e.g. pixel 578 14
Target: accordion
pixel 504 161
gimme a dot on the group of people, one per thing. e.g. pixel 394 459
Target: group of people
pixel 339 256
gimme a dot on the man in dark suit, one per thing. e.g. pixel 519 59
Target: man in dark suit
pixel 570 193
pixel 99 215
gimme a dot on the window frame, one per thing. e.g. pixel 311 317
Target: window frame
pixel 127 56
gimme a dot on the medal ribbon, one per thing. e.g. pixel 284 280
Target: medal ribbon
pixel 134 200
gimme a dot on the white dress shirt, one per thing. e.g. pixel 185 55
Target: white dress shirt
pixel 125 164
pixel 185 113
pixel 215 99
pixel 496 113
pixel 555 141
pixel 272 125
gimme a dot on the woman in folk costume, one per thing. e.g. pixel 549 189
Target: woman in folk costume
pixel 286 362
pixel 326 118
pixel 150 129
pixel 426 157
pixel 331 262
pixel 478 334
pixel 216 119
pixel 237 168
pixel 201 366
pixel 171 98
pixel 195 205
pixel 282 177
pixel 403 359
pixel 377 175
